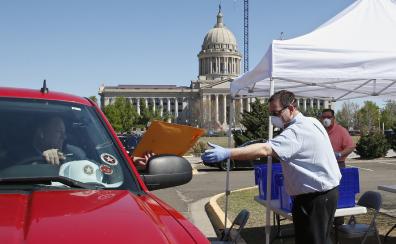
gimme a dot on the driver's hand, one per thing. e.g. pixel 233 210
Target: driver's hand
pixel 53 156
pixel 142 162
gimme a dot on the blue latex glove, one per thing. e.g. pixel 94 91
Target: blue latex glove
pixel 216 154
pixel 337 155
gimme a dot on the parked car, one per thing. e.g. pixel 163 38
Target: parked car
pixel 354 132
pixel 236 164
pixel 130 141
pixel 93 193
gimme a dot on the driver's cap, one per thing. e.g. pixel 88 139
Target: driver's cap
pixel 81 170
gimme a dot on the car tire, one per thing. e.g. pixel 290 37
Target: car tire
pixel 223 165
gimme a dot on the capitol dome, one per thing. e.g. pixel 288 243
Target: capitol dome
pixel 219 37
pixel 219 57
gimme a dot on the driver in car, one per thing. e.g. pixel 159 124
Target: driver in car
pixel 49 142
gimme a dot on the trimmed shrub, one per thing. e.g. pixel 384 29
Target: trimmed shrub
pixel 199 148
pixel 372 145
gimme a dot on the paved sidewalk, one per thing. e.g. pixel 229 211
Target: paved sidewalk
pixel 197 213
pixel 200 219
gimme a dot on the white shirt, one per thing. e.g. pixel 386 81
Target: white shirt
pixel 307 158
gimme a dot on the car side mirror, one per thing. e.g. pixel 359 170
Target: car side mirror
pixel 165 171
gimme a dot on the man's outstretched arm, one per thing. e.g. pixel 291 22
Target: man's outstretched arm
pixel 250 152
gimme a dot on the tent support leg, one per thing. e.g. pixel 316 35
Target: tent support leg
pixel 269 178
pixel 230 126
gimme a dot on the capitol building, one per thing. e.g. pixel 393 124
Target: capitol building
pixel 205 102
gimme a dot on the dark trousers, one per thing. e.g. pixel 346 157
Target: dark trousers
pixel 313 216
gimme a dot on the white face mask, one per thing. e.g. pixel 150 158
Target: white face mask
pixel 277 122
pixel 326 122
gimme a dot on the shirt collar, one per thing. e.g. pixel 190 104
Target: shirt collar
pixel 298 117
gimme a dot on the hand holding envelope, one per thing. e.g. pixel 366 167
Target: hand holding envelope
pixel 166 138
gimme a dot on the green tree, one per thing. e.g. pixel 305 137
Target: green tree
pixel 312 112
pixel 122 115
pixel 368 117
pixel 347 116
pixel 93 98
pixel 148 114
pixel 388 114
pixel 372 145
pixel 256 123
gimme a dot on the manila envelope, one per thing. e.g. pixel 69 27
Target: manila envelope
pixel 166 138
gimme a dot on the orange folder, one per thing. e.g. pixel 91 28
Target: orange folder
pixel 167 138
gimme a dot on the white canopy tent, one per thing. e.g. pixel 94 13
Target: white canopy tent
pixel 352 55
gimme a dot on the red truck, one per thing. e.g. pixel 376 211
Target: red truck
pixel 66 178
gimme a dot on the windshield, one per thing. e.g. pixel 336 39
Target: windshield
pixel 41 138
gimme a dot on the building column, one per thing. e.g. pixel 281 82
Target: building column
pixel 203 111
pixel 218 65
pixel 217 108
pixel 154 100
pixel 305 104
pixel 161 107
pixel 146 102
pixel 235 119
pixel 318 103
pixel 176 108
pixel 241 104
pixel 209 99
pixel 326 104
pixel 184 103
pixel 169 110
pixel 168 105
pixel 311 102
pixel 249 100
pixel 138 105
pixel 225 109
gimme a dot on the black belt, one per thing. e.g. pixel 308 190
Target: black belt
pixel 313 194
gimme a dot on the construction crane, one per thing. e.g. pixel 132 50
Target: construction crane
pixel 245 36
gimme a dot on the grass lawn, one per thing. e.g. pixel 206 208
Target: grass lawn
pixel 254 230
pixel 221 141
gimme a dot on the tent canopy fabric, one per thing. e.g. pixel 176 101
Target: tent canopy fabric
pixel 352 55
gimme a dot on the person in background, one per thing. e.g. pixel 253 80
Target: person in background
pixel 311 174
pixel 340 139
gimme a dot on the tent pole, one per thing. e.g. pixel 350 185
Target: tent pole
pixel 269 174
pixel 227 190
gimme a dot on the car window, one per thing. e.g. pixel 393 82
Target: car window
pixel 36 134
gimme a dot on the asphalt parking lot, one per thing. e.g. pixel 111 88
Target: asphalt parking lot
pixel 377 172
pixel 208 181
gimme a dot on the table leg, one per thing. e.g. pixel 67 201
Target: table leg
pixel 277 223
pixel 387 234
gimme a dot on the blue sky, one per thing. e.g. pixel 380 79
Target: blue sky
pixel 79 44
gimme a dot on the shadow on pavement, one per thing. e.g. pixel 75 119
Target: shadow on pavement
pixel 219 170
pixel 255 235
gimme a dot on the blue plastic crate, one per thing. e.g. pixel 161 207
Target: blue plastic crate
pixel 261 179
pixel 348 188
pixel 284 198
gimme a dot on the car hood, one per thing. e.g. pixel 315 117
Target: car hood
pixel 86 216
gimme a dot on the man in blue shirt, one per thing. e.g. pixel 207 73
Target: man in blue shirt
pixel 309 166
